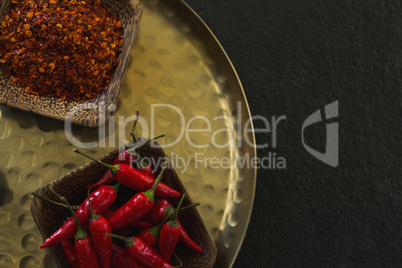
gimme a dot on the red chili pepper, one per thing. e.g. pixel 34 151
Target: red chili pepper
pixel 163 208
pixel 169 235
pixel 69 253
pixel 83 246
pixel 150 234
pixel 124 158
pixel 108 212
pixel 85 252
pixel 144 166
pixel 147 169
pixel 135 179
pixel 139 224
pixel 143 253
pixel 186 240
pixel 98 227
pixel 135 208
pixel 101 199
pixel 160 210
pixel 121 258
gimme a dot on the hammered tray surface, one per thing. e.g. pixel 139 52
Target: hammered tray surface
pixel 175 60
pixel 88 113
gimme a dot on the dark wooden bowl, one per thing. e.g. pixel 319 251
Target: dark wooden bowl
pixel 49 217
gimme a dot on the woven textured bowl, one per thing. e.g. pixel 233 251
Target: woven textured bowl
pixel 49 217
pixel 91 113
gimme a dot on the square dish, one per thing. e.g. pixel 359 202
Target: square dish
pixel 90 113
pixel 49 217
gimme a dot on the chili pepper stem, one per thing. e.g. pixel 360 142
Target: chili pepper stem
pixel 143 163
pixel 129 241
pixel 172 211
pixel 81 234
pixel 178 207
pixel 139 144
pixel 116 187
pixel 116 236
pixel 93 215
pixel 180 262
pixel 151 193
pixel 135 124
pixel 155 138
pixel 190 206
pixel 156 229
pixel 113 168
pixel 53 202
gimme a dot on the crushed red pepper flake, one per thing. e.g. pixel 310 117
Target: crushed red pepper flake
pixel 67 49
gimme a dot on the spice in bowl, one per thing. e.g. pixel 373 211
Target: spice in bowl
pixel 60 48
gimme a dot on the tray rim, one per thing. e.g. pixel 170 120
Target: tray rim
pixel 244 99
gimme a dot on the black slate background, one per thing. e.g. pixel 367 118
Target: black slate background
pixel 294 57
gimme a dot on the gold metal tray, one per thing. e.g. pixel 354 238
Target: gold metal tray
pixel 175 61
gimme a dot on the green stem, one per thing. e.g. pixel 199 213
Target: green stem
pixel 154 231
pixel 53 202
pixel 93 215
pixel 178 207
pixel 155 138
pixel 151 192
pixel 139 144
pixel 117 236
pixel 143 164
pixel 170 211
pixel 129 242
pixel 190 206
pixel 116 187
pixel 135 124
pixel 81 234
pixel 113 168
pixel 177 258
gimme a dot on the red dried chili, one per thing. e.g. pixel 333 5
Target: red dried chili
pixel 64 49
pixel 83 246
pixel 169 235
pixel 123 158
pixel 127 157
pixel 122 258
pixel 135 208
pixel 138 224
pixel 101 199
pixel 150 234
pixel 143 253
pixel 146 169
pixel 162 209
pixel 133 178
pixel 69 253
pixel 98 227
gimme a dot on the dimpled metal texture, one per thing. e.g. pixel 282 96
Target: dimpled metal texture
pixel 179 78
